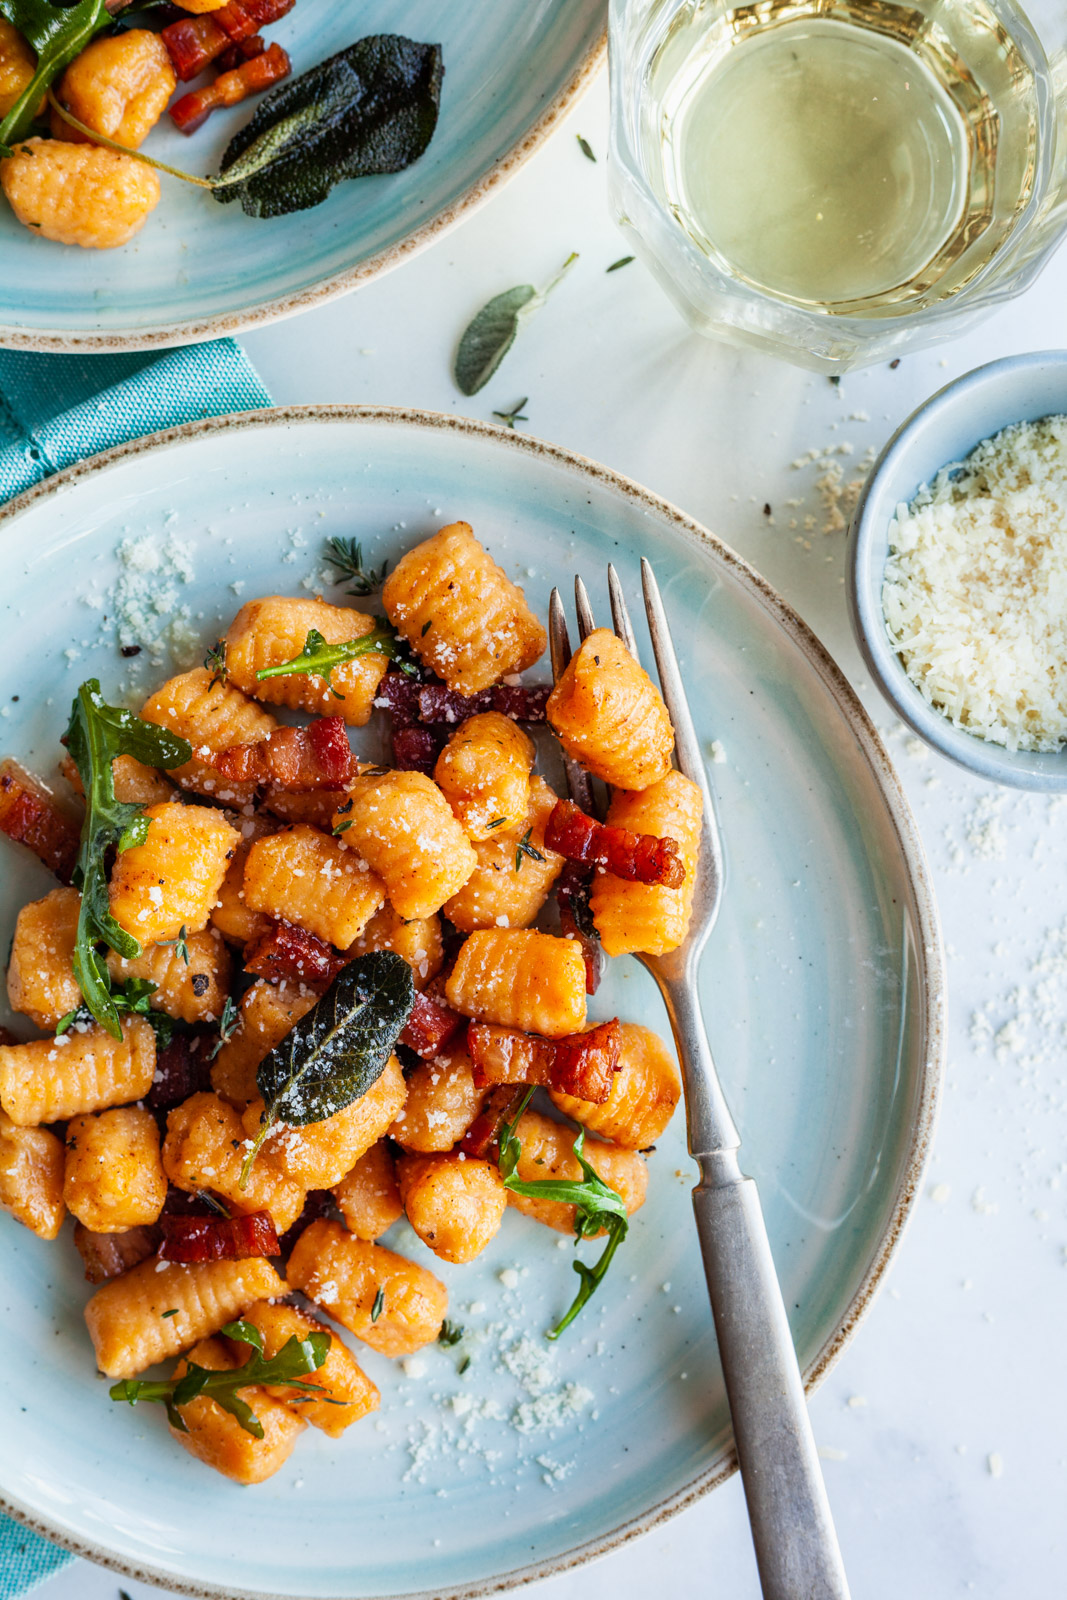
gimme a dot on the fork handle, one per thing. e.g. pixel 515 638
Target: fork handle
pixel 792 1529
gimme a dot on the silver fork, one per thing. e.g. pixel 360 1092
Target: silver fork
pixel 796 1546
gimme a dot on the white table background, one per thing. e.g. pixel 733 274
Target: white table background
pixel 944 1426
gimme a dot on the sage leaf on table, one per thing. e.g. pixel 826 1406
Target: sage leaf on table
pixel 339 1050
pixel 488 338
pixel 371 109
pixel 96 734
pixel 57 34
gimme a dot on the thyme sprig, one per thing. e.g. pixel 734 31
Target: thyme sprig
pixel 346 555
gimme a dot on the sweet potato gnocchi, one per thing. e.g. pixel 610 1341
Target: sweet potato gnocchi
pixel 279 1013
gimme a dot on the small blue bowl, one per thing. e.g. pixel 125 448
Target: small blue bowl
pixel 946 428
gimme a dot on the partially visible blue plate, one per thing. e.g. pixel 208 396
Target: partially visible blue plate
pixel 199 270
pixel 821 986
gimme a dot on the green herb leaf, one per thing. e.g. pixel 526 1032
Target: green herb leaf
pixel 623 261
pixel 215 662
pixel 379 1304
pixel 57 34
pixel 96 734
pixel 597 1206
pixel 451 1333
pixel 318 658
pixel 129 999
pixel 497 822
pixel 228 1025
pixel 488 338
pixel 173 1312
pixel 339 1049
pixel 525 848
pixel 347 556
pixel 509 418
pixel 585 147
pixel 295 1358
pixel 370 109
pixel 181 946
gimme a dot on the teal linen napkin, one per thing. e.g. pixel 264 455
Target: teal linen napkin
pixel 55 410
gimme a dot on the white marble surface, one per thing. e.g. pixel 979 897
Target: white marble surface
pixel 944 1426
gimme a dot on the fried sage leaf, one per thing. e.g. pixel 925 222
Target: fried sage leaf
pixel 490 335
pixel 339 1050
pixel 370 109
pixel 57 34
pixel 96 734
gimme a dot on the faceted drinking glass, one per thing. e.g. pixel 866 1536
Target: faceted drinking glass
pixel 837 181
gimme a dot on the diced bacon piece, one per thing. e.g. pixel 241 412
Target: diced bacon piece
pixel 316 757
pixel 501 1106
pixel 195 1239
pixel 30 815
pixel 430 1026
pixel 637 857
pixel 246 50
pixel 289 954
pixel 416 749
pixel 572 897
pixel 194 42
pixel 183 1067
pixel 398 693
pixel 230 88
pixel 410 701
pixel 582 1064
pixel 109 1255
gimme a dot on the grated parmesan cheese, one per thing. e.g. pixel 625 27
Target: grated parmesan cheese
pixel 975 590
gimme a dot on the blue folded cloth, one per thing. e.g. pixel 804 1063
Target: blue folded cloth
pixel 55 410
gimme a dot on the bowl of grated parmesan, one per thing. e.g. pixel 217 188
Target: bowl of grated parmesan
pixel 958 571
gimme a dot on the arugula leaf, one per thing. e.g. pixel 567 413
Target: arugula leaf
pixel 339 1049
pixel 370 109
pixel 96 734
pixel 488 338
pixel 347 556
pixel 57 34
pixel 130 999
pixel 295 1358
pixel 597 1206
pixel 318 658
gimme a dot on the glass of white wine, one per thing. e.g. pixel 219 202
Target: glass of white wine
pixel 840 180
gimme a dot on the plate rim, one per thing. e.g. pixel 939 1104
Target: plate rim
pixel 228 323
pixel 929 949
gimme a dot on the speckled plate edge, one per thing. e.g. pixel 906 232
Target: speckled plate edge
pixel 338 283
pixel 929 955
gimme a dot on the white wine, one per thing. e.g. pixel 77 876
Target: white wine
pixel 857 157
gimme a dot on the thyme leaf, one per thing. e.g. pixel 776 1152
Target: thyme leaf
pixel 229 1022
pixel 509 418
pixel 525 848
pixel 347 556
pixel 623 261
pixel 379 1304
pixel 585 147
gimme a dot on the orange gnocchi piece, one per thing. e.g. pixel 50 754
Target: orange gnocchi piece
pixel 171 881
pixel 520 979
pixel 351 1279
pixel 484 774
pixel 267 633
pixel 113 1177
pixel 31 1177
pixel 401 824
pixel 367 1196
pixel 308 878
pixel 49 1080
pixel 216 1437
pixel 40 975
pixel 639 916
pixel 610 716
pixel 548 1152
pixel 455 1204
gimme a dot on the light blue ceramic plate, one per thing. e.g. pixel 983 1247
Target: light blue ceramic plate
pixel 199 270
pixel 821 986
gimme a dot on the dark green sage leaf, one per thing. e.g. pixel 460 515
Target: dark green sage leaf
pixel 370 109
pixel 490 335
pixel 339 1049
